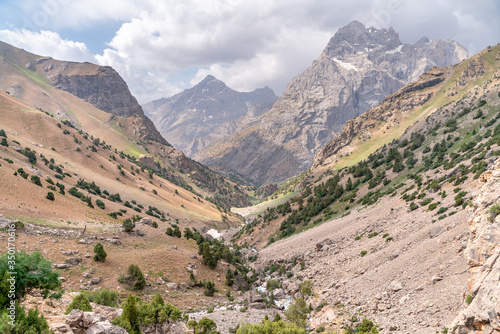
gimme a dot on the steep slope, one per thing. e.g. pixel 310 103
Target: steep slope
pixel 481 307
pixel 357 69
pixel 386 231
pixel 422 127
pixel 209 111
pixel 97 101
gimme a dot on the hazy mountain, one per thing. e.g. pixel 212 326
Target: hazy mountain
pixel 97 101
pixel 357 69
pixel 209 111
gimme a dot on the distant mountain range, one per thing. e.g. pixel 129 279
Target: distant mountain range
pixel 208 112
pixel 357 69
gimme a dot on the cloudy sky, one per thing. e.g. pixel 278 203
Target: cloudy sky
pixel 161 47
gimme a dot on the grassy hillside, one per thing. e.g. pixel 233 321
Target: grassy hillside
pixel 442 144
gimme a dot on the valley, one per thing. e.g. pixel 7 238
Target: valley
pixel 380 218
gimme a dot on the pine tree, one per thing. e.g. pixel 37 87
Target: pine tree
pixel 229 277
pixel 100 254
pixel 348 186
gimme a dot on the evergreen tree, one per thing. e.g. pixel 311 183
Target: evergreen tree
pixel 348 186
pixel 229 277
pixel 100 254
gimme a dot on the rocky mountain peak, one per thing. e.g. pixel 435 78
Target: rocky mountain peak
pixel 356 38
pixel 211 83
pixel 423 40
pixel 358 68
pixel 209 111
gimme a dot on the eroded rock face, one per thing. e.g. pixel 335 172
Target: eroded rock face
pixel 482 302
pixel 209 111
pixel 102 87
pixel 358 68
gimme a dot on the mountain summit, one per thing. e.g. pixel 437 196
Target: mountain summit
pixel 357 69
pixel 209 111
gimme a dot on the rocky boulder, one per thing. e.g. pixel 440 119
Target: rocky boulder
pixel 482 301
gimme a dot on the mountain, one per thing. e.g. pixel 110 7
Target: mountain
pixel 357 69
pixel 399 214
pixel 96 101
pixel 208 112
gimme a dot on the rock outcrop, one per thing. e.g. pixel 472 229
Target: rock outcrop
pixel 102 87
pixel 410 96
pixel 209 111
pixel 78 321
pixel 357 69
pixel 482 297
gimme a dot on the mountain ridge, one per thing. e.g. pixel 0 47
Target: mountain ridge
pixel 345 81
pixel 209 111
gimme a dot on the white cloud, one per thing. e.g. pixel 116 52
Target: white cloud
pixel 246 43
pixel 76 14
pixel 47 43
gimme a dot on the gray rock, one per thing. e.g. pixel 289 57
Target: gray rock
pixel 62 266
pixel 257 306
pixel 279 294
pixel 73 260
pixel 146 221
pixel 253 297
pixel 61 329
pixel 105 327
pixel 172 286
pixel 75 318
pixel 435 231
pixel 95 280
pixel 395 286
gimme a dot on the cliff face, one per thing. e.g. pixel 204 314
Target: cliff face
pixel 358 68
pixel 102 87
pixel 209 111
pixel 482 302
pixel 407 98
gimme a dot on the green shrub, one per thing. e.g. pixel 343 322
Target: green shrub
pixel 275 327
pixel 495 210
pixel 134 279
pixel 31 323
pixel 413 206
pixel 426 201
pixel 273 284
pixel 36 180
pixel 297 313
pixel 2 133
pixel 366 327
pixel 4 142
pixel 209 289
pixel 56 295
pixel 80 302
pixel 204 326
pixel 306 288
pixel 432 206
pixel 229 277
pixel 100 254
pixel 128 225
pixel 32 272
pixel 100 204
pixel 50 196
pixel 442 210
pixel 469 298
pixel 104 297
pixel 363 253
